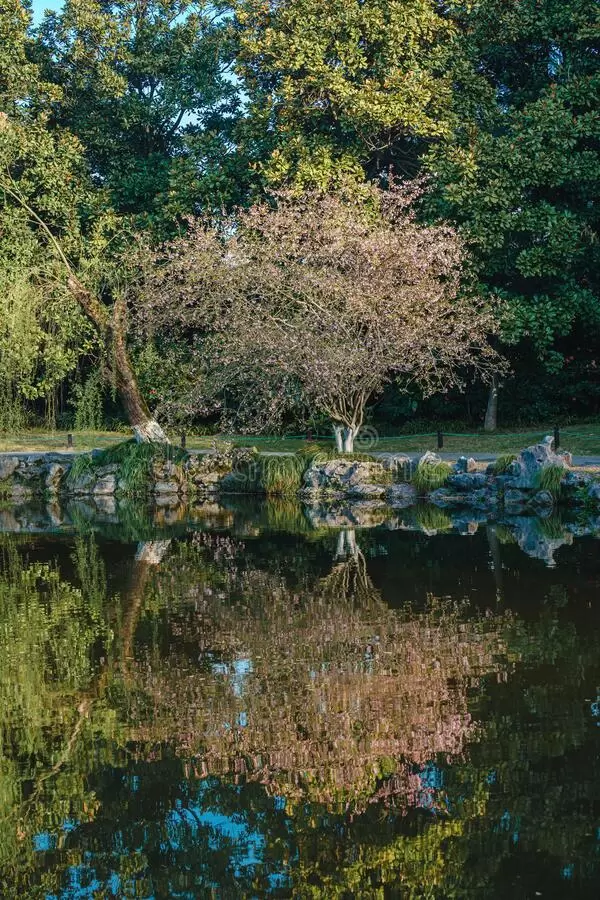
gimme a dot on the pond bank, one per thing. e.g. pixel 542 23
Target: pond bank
pixel 537 479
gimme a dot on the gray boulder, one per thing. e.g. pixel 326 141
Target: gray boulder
pixel 594 492
pixel 8 466
pixel 515 499
pixel 529 464
pixel 401 496
pixel 105 486
pixel 54 477
pixel 465 465
pixel 542 500
pixel 467 481
pixel 576 480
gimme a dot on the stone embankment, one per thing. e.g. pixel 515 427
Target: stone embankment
pixel 536 480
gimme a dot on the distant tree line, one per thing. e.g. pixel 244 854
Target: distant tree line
pixel 138 136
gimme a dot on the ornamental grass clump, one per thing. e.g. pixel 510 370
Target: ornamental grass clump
pixel 550 479
pixel 503 463
pixel 430 476
pixel 134 463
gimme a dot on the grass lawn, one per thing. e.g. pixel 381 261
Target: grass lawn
pixel 583 440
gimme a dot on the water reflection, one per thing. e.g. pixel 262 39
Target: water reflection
pixel 228 708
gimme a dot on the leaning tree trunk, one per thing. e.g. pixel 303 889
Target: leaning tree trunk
pixel 145 427
pixel 491 414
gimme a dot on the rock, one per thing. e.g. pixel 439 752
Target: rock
pixel 514 498
pixel 367 491
pixel 400 496
pixel 430 459
pixel 594 492
pixel 464 465
pixel 574 480
pixel 345 477
pixel 467 482
pixel 105 485
pixel 83 484
pixel 8 466
pixel 166 487
pixel 54 477
pixel 542 500
pixel 526 469
pixel 446 497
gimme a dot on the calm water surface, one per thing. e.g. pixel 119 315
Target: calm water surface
pixel 251 705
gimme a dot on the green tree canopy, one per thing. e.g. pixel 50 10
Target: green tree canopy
pixel 147 88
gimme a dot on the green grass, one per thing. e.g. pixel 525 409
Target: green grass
pixel 431 476
pixel 550 479
pixel 134 460
pixel 503 463
pixel 430 518
pixel 580 439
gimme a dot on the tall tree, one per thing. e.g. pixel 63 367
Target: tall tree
pixel 521 171
pixel 147 88
pixel 322 299
pixel 55 224
pixel 344 86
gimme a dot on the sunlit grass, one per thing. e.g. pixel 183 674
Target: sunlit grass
pixel 579 439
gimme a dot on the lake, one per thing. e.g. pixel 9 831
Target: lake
pixel 250 701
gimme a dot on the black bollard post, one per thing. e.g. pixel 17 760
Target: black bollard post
pixel 556 438
pixel 70 441
pixel 440 437
pixel 183 441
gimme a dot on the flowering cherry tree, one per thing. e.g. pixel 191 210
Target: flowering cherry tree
pixel 317 301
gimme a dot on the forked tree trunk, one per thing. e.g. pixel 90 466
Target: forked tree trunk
pixel 344 437
pixel 349 435
pixel 491 414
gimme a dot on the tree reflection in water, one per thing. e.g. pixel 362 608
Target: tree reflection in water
pixel 230 722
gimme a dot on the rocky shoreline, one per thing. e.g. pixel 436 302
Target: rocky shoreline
pixel 535 481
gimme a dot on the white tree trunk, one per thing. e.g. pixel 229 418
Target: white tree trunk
pixel 346 545
pixel 349 435
pixel 337 431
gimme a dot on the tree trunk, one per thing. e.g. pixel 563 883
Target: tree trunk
pixel 349 435
pixel 491 414
pixel 145 428
pixel 337 432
